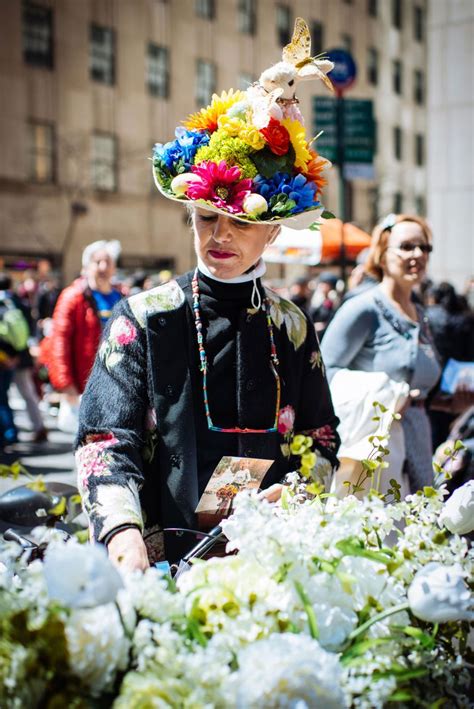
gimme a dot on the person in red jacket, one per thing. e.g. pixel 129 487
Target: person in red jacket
pixel 79 316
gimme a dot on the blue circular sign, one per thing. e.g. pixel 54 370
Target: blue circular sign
pixel 345 71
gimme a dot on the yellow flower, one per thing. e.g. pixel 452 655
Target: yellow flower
pixel 298 141
pixel 237 128
pixel 252 136
pixel 232 126
pixel 206 118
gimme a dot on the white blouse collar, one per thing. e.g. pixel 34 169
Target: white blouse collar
pixel 257 272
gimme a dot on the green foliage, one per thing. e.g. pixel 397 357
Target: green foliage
pixel 268 164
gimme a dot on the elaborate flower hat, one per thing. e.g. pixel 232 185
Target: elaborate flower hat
pixel 246 154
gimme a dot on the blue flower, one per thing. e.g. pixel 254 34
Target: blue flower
pixel 178 155
pixel 295 191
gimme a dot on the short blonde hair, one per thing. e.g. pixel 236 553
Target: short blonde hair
pixel 380 237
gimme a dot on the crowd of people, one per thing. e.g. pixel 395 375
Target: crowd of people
pixel 56 354
pixel 49 336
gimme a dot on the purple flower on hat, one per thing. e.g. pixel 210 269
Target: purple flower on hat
pixel 220 185
pixel 179 154
pixel 294 191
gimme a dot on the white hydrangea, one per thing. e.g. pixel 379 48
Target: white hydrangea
pixel 287 671
pixel 97 646
pixel 150 595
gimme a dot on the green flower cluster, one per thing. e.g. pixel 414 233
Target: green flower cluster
pixel 233 150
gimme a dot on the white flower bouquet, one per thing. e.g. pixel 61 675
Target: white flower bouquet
pixel 326 603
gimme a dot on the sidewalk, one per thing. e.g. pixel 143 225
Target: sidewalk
pixel 53 459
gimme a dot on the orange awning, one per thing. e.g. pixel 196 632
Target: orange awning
pixel 355 240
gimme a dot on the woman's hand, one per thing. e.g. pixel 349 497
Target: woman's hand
pixel 128 551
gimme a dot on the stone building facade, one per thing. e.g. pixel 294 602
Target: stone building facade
pixel 88 86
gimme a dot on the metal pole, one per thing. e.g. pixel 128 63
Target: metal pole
pixel 342 182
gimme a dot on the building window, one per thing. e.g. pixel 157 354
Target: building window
pixel 397 76
pixel 205 81
pixel 38 35
pixel 104 162
pixel 372 8
pixel 420 205
pixel 41 152
pixel 398 203
pixel 102 54
pixel 283 24
pixel 419 87
pixel 205 9
pixel 418 23
pixel 397 14
pixel 397 142
pixel 247 16
pixel 317 37
pixel 372 66
pixel 419 149
pixel 346 41
pixel 158 70
pixel 244 81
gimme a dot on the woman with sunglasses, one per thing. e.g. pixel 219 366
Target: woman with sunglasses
pixel 213 363
pixel 385 330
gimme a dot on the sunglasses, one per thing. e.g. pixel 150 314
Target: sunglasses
pixel 408 248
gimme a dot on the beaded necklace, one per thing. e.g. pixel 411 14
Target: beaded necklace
pixel 204 365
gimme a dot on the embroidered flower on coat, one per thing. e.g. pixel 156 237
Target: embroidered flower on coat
pixel 116 505
pixel 284 312
pixel 122 331
pixel 169 296
pixel 93 458
pixel 286 420
pixel 324 435
pixel 316 360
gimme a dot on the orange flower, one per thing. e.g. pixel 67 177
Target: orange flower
pixel 314 170
pixel 206 118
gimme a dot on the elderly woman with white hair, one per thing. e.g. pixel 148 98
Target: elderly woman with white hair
pixel 80 314
pixel 211 364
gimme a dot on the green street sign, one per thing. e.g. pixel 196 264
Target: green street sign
pixel 359 129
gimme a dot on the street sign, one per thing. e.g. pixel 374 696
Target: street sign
pixel 324 119
pixel 345 71
pixel 359 129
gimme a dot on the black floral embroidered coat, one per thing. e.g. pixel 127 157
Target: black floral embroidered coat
pixel 144 450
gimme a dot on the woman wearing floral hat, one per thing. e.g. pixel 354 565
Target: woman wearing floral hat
pixel 211 364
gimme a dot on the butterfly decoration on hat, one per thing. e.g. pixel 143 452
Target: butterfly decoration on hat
pixel 247 154
pixel 297 65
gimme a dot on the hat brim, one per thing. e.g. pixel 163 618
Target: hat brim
pixel 303 220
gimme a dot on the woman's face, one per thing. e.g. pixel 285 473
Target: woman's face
pixel 403 260
pixel 227 246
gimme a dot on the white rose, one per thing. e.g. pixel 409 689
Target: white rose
pixel 180 183
pixel 81 576
pixel 457 514
pixel 255 204
pixel 439 594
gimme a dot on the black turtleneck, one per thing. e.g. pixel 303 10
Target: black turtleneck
pixel 239 367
